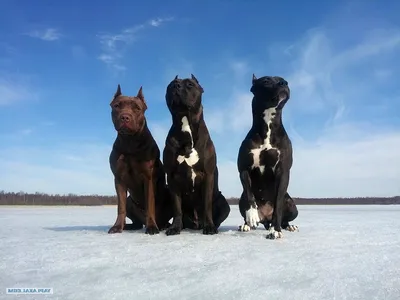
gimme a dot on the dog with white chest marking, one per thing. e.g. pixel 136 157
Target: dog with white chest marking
pixel 190 162
pixel 264 161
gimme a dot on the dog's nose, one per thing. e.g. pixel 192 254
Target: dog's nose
pixel 283 83
pixel 125 118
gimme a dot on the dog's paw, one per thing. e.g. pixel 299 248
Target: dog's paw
pixel 292 228
pixel 173 230
pixel 210 229
pixel 116 229
pixel 151 230
pixel 273 234
pixel 244 228
pixel 252 218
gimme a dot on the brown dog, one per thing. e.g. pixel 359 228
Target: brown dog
pixel 137 168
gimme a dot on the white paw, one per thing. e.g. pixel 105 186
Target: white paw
pixel 252 218
pixel 292 228
pixel 244 228
pixel 272 234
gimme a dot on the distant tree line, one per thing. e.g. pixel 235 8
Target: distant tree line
pixel 22 198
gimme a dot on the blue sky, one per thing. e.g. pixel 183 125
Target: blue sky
pixel 60 65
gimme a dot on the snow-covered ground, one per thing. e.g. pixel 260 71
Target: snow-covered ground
pixel 340 252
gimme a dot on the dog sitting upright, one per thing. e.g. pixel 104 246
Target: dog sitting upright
pixel 190 162
pixel 265 160
pixel 137 168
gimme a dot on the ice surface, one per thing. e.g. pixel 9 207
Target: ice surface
pixel 340 252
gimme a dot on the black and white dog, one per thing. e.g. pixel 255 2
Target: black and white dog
pixel 265 160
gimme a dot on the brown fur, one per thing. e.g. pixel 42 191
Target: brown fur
pixel 135 163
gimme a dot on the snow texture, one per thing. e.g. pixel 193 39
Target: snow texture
pixel 340 252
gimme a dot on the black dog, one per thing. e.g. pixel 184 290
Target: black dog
pixel 265 160
pixel 190 162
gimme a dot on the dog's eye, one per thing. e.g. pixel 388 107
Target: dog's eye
pixel 116 105
pixel 190 84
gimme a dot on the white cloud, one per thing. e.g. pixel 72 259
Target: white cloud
pixel 15 88
pixel 341 156
pixel 48 35
pixel 26 131
pixel 158 21
pixel 81 169
pixel 114 45
pixel 336 167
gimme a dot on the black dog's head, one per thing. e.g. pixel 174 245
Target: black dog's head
pixel 128 112
pixel 270 92
pixel 184 95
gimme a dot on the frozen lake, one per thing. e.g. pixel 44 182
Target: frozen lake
pixel 340 252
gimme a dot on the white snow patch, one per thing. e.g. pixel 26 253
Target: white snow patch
pixel 342 252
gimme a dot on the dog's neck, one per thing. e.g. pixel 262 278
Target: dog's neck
pixel 267 120
pixel 188 127
pixel 133 144
pixel 194 119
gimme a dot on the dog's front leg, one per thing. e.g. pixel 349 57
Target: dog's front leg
pixel 208 188
pixel 177 223
pixel 282 180
pixel 122 191
pixel 151 226
pixel 252 218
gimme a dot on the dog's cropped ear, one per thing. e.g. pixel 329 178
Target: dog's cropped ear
pixel 141 97
pixel 195 79
pixel 118 92
pixel 254 79
pixel 176 77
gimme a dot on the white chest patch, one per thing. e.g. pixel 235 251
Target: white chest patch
pixel 269 115
pixel 193 156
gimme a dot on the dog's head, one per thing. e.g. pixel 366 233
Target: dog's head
pixel 127 113
pixel 270 92
pixel 184 95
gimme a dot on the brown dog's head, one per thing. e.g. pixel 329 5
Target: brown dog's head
pixel 184 95
pixel 128 112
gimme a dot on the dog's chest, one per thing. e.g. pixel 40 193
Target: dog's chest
pixel 191 158
pixel 266 155
pixel 130 172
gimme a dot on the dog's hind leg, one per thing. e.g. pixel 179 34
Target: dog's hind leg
pixel 290 213
pixel 221 209
pixel 243 206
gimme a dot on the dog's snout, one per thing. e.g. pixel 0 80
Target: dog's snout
pixel 125 118
pixel 283 83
